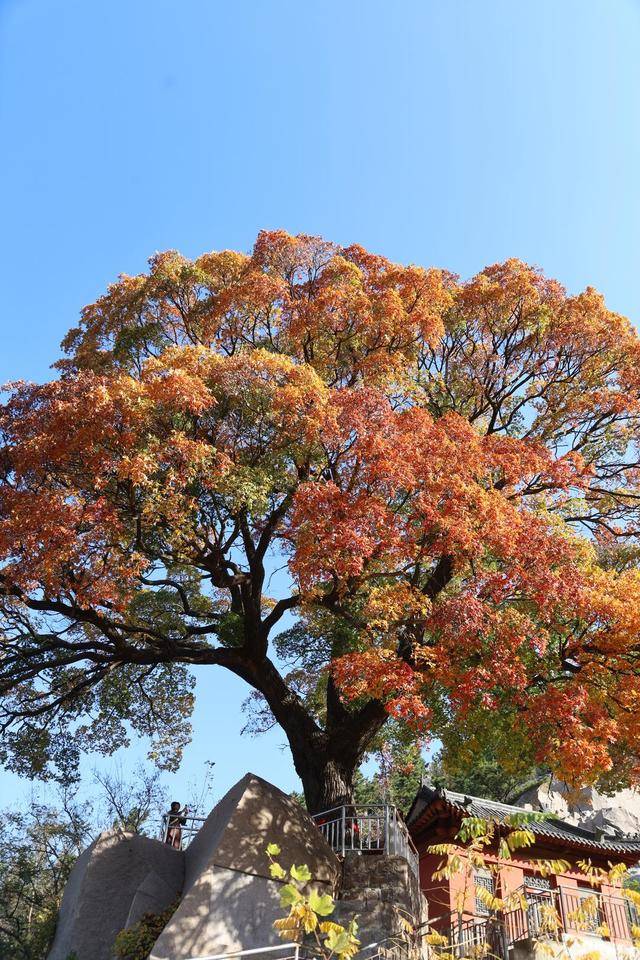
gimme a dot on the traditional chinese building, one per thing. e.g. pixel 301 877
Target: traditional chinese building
pixel 584 913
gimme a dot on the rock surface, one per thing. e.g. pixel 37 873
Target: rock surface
pixel 117 879
pixel 228 897
pixel 230 900
pixel 617 815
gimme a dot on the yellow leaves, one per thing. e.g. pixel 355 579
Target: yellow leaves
pixel 392 604
pixel 547 868
pixel 305 916
pixel 546 950
pixel 442 849
pixel 488 899
pixel 583 916
pixel 517 839
pixel 288 928
pixel 435 939
pixel 476 828
pixel 503 849
pixel 306 911
pixel 478 951
pixel 450 868
pixel 476 858
pixel 221 268
pixel 597 875
pixel 406 923
pixel 549 919
pixel 515 900
pixel 632 895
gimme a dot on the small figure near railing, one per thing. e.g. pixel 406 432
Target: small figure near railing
pixel 176 819
pixel 179 827
pixel 367 828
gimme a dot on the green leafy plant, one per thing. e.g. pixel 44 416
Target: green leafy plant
pixel 308 912
pixel 136 942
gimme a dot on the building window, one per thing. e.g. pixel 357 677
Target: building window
pixel 537 883
pixel 485 879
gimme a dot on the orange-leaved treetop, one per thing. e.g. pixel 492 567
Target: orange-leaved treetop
pixel 448 470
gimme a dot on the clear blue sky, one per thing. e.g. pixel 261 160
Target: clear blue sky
pixel 450 133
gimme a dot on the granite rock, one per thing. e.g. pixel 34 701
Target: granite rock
pixel 230 900
pixel 117 879
pixel 616 815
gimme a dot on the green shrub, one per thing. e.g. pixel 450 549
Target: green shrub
pixel 136 942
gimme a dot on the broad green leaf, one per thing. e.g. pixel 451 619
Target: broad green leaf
pixel 337 942
pixel 302 873
pixel 289 895
pixel 321 903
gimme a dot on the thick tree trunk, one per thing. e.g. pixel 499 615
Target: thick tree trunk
pixel 327 781
pixel 326 760
pixel 327 764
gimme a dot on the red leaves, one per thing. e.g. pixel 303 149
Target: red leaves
pixel 452 467
pixel 572 731
pixel 380 673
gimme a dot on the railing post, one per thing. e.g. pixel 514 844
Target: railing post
pixel 386 829
pixel 344 829
pixel 562 911
pixel 393 831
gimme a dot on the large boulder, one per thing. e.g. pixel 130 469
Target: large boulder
pixel 117 879
pixel 616 815
pixel 230 900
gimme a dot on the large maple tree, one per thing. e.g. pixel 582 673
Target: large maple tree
pixel 448 470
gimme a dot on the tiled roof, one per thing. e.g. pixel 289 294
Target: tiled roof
pixel 553 829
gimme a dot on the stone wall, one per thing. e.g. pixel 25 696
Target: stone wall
pixel 384 894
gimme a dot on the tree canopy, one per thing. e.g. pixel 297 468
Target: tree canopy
pixel 449 470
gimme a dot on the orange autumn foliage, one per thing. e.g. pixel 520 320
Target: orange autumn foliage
pixel 450 469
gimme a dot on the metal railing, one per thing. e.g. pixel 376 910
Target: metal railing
pixel 178 831
pixel 478 937
pixel 382 950
pixel 547 915
pixel 370 828
pixel 572 910
pixel 596 913
pixel 283 951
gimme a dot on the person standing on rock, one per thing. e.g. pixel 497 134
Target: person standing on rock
pixel 176 819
